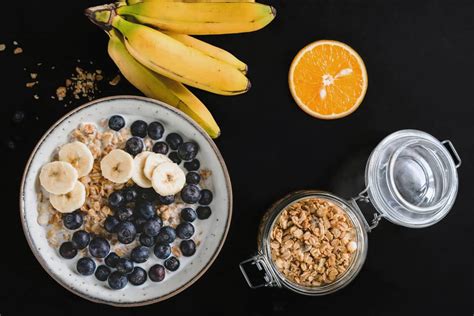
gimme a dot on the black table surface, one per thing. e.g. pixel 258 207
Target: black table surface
pixel 420 65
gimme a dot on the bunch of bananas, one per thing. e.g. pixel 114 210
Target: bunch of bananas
pixel 151 44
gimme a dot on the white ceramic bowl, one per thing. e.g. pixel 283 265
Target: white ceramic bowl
pixel 211 232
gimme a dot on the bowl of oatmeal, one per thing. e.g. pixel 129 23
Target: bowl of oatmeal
pixel 126 201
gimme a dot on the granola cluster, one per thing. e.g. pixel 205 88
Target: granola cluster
pixel 313 242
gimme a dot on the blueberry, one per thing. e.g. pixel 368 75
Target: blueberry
pixel 112 259
pixel 156 273
pixel 188 214
pixel 116 199
pixel 161 148
pixel 152 226
pixel 134 145
pixel 126 232
pixel 203 212
pixel 145 209
pixel 73 220
pixel 162 251
pixel 166 235
pixel 185 230
pixel 173 156
pixel 190 193
pixel 99 247
pixel 193 178
pixel 139 128
pixel 188 151
pixel 110 224
pixel 123 213
pixel 85 266
pixel 117 280
pixel 192 165
pixel 188 247
pixel 140 254
pixel 206 197
pixel 137 277
pixel 172 264
pixel 67 250
pixel 147 241
pixel 124 265
pixel 155 130
pixel 130 194
pixel 147 195
pixel 116 122
pixel 102 273
pixel 166 200
pixel 139 222
pixel 174 140
pixel 81 239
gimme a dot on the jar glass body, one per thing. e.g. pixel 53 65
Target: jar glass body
pixel 275 278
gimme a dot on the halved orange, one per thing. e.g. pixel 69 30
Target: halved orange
pixel 328 79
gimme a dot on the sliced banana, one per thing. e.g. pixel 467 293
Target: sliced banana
pixel 58 177
pixel 71 201
pixel 138 169
pixel 168 179
pixel 79 156
pixel 152 162
pixel 117 166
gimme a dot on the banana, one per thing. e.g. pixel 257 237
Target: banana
pixel 153 161
pixel 158 87
pixel 130 2
pixel 58 177
pixel 168 179
pixel 71 201
pixel 117 166
pixel 201 18
pixel 79 156
pixel 210 50
pixel 138 175
pixel 174 60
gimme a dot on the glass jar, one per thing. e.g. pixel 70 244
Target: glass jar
pixel 411 180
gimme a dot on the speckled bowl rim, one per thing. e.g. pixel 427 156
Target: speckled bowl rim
pixel 198 129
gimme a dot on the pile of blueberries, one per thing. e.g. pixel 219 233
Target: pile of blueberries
pixel 135 217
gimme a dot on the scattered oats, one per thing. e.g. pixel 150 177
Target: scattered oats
pixel 2 47
pixel 53 67
pixel 36 97
pixel 115 81
pixel 33 75
pixel 53 97
pixel 15 43
pixel 17 51
pixel 61 93
pixel 31 84
pixel 39 64
pixel 99 71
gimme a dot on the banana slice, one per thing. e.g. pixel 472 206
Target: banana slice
pixel 58 177
pixel 152 162
pixel 71 201
pixel 138 169
pixel 168 179
pixel 117 166
pixel 79 156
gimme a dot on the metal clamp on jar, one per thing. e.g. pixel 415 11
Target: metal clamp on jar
pixel 411 180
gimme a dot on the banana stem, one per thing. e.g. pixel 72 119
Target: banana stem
pixel 102 15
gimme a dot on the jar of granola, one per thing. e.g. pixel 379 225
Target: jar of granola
pixel 315 242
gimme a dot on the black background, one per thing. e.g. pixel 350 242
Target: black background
pixel 419 57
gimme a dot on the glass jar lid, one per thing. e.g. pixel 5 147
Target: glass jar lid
pixel 411 178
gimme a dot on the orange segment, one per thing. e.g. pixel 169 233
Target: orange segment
pixel 328 79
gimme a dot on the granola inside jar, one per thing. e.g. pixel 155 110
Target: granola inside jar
pixel 313 242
